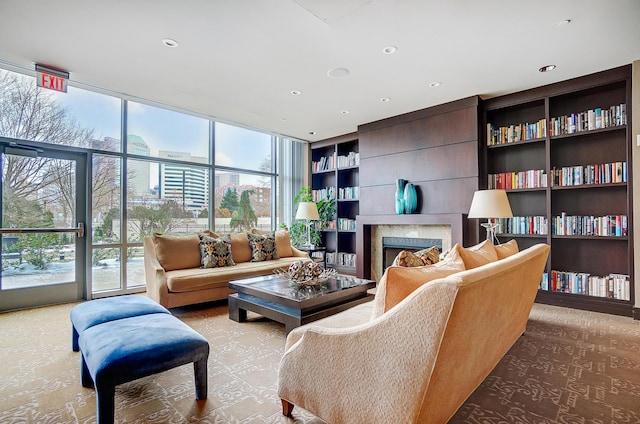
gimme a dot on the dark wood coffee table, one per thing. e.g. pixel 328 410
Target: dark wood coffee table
pixel 278 299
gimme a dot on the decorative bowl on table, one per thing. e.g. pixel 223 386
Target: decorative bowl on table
pixel 306 273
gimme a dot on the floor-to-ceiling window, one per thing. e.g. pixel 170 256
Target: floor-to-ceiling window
pixel 151 169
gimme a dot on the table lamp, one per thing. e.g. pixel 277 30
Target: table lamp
pixel 308 211
pixel 490 204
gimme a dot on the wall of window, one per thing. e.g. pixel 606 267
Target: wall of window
pixel 152 170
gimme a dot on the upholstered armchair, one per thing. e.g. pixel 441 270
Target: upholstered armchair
pixel 418 360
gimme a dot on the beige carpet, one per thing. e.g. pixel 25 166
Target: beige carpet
pixel 570 366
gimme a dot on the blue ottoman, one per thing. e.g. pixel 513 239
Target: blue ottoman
pixel 98 311
pixel 126 349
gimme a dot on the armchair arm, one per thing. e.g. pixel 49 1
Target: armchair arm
pixel 328 373
pixel 154 274
pixel 299 253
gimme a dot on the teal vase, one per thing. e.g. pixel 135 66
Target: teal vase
pixel 400 196
pixel 410 198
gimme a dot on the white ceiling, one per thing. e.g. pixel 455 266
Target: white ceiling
pixel 239 60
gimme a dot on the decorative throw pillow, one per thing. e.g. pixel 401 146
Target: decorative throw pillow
pixel 283 241
pixel 507 249
pixel 215 252
pixel 399 282
pixel 478 255
pixel 177 252
pixel 263 247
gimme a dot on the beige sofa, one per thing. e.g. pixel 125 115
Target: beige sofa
pixel 413 359
pixel 172 266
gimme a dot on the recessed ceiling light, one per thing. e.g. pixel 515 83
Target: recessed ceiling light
pixel 390 50
pixel 296 92
pixel 169 42
pixel 338 72
pixel 434 84
pixel 547 68
pixel 312 133
pixel 385 99
pixel 344 112
pixel 564 22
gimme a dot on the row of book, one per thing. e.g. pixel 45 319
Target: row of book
pixel 323 193
pixel 351 159
pixel 330 225
pixel 608 225
pixel 515 133
pixel 612 286
pixel 326 163
pixel 599 173
pixel 348 193
pixel 346 224
pixel 341 259
pixel 523 225
pixel 533 178
pixel 591 119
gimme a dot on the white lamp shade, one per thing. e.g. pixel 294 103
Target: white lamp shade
pixel 490 204
pixel 307 210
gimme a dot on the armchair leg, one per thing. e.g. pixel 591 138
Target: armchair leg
pixel 287 408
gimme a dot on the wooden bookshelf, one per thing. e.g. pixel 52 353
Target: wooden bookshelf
pixel 571 143
pixel 341 179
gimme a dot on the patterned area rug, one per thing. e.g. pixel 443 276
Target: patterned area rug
pixel 570 367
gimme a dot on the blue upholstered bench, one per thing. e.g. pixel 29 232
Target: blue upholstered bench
pixel 125 349
pixel 98 311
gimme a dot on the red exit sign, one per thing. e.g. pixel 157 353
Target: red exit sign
pixel 52 79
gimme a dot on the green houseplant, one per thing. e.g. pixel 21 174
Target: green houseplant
pixel 298 228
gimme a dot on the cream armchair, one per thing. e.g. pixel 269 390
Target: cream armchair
pixel 419 360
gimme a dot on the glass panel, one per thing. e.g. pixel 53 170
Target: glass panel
pixel 166 198
pixel 105 269
pixel 135 267
pixel 38 193
pixel 78 117
pixel 106 199
pixel 242 202
pixel 156 132
pixel 241 148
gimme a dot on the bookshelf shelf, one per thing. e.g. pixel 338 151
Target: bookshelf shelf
pixel 339 240
pixel 594 151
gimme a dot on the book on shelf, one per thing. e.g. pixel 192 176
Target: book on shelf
pixel 349 160
pixel 348 193
pixel 604 226
pixel 538 225
pixel 592 119
pixel 533 178
pixel 346 224
pixel 323 193
pixel 612 286
pixel 516 132
pixel 326 163
pixel 599 173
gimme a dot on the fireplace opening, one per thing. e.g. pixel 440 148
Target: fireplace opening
pixel 391 246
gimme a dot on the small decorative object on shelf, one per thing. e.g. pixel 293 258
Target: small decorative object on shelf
pixel 410 198
pixel 306 273
pixel 400 196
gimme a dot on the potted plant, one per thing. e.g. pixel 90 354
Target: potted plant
pixel 298 228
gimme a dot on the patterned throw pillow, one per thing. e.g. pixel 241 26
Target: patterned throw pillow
pixel 263 247
pixel 215 252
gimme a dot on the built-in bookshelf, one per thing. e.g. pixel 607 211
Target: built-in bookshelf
pixel 563 152
pixel 335 173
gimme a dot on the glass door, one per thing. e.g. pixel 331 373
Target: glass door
pixel 42 233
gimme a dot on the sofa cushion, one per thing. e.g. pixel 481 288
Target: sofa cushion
pixel 422 257
pixel 507 249
pixel 215 252
pixel 478 255
pixel 398 282
pixel 283 242
pixel 263 247
pixel 240 250
pixel 177 252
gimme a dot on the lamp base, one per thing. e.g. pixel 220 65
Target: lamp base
pixel 491 231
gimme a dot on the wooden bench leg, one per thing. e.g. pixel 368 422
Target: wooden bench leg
pixel 200 375
pixel 287 408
